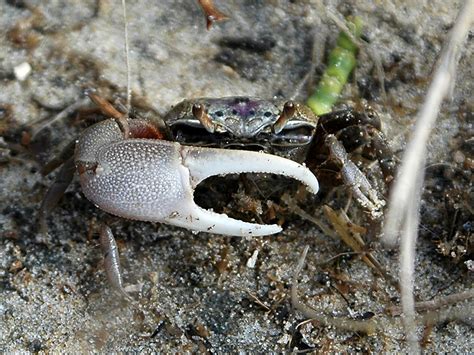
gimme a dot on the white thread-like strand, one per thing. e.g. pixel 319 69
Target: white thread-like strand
pixel 403 212
pixel 127 59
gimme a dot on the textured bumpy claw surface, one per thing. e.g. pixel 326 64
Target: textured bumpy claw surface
pixel 154 180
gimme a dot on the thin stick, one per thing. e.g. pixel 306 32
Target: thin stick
pixel 437 303
pixel 368 327
pixel 257 301
pixel 407 278
pixel 60 116
pixel 403 212
pixel 293 207
pixel 127 59
pixel 463 312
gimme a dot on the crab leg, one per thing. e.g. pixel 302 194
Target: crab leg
pixel 364 193
pixel 154 180
pixel 55 192
pixel 111 260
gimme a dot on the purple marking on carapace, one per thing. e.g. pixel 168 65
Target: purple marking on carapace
pixel 245 108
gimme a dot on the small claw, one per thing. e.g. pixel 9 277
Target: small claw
pixel 154 180
pixel 363 191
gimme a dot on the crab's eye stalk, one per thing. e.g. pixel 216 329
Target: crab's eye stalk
pixel 200 114
pixel 288 111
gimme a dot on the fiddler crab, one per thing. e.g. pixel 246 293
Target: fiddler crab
pixel 146 170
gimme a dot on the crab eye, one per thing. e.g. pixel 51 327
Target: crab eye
pixel 286 114
pixel 219 113
pixel 252 113
pixel 267 114
pixel 201 114
pixel 234 111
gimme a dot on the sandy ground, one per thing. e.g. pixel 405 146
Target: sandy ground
pixel 196 292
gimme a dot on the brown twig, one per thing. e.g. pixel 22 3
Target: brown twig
pixel 436 303
pixel 60 116
pixel 368 327
pixel 211 12
pixel 446 315
pixel 350 234
pixel 105 107
pixel 258 301
pixel 293 207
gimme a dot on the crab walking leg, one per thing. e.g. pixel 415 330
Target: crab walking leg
pixel 154 180
pixel 364 193
pixel 55 192
pixel 111 260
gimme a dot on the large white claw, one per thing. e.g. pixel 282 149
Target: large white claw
pixel 154 180
pixel 206 162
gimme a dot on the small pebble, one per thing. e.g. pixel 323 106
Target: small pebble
pixel 22 71
pixel 459 157
pixel 252 260
pixel 470 265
